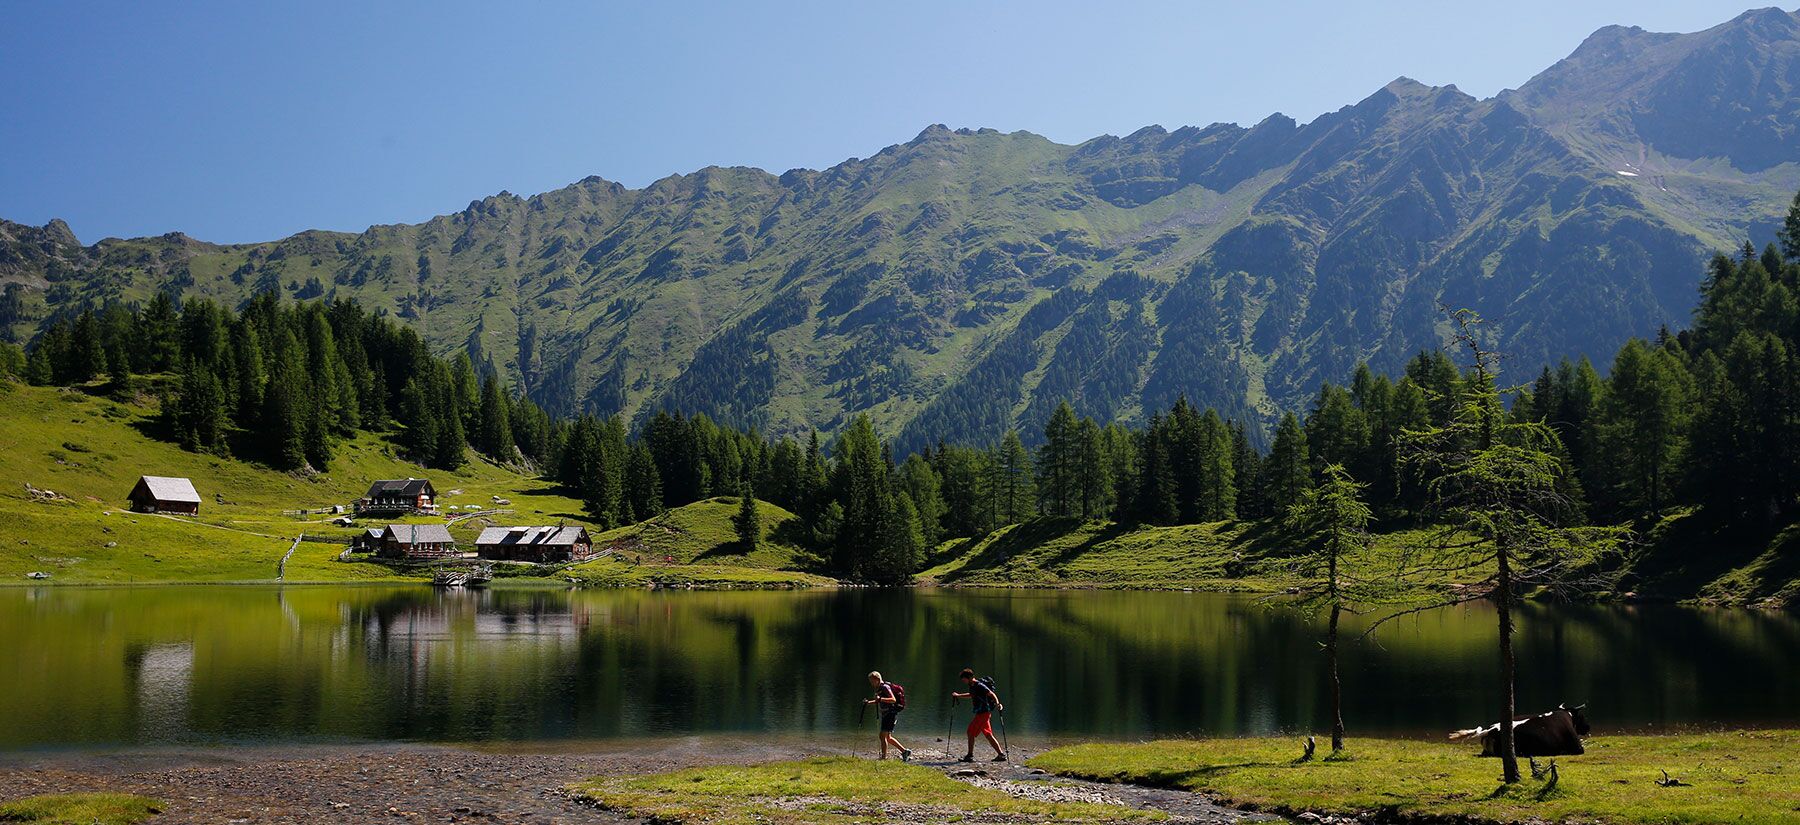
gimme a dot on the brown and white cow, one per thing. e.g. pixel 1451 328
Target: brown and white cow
pixel 1557 733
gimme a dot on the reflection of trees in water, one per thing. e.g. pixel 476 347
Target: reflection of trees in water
pixel 526 664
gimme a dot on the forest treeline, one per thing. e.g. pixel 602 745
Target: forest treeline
pixel 1709 416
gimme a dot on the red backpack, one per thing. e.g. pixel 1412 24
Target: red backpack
pixel 899 695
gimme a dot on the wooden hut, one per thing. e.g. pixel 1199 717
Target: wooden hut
pixel 536 544
pixel 401 495
pixel 164 494
pixel 418 541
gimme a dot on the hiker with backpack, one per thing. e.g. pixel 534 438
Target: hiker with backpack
pixel 981 693
pixel 892 699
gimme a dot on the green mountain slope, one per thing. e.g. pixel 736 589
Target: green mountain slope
pixel 961 283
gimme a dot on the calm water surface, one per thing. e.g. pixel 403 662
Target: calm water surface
pixel 83 667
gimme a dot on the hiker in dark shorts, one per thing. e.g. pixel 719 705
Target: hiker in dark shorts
pixel 981 694
pixel 888 697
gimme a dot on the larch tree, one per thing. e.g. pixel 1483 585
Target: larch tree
pixel 1332 520
pixel 1498 490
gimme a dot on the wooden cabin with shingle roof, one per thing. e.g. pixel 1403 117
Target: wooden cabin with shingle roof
pixel 165 494
pixel 417 542
pixel 544 545
pixel 400 495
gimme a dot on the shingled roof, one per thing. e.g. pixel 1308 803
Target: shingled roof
pixel 407 487
pixel 419 533
pixel 530 536
pixel 169 488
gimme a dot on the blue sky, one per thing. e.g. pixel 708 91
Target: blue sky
pixel 240 121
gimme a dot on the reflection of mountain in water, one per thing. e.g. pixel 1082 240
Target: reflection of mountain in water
pixel 213 664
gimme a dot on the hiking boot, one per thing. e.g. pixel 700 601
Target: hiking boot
pixel 1000 758
pixel 905 755
pixel 969 758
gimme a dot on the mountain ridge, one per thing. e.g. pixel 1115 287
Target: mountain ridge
pixel 960 283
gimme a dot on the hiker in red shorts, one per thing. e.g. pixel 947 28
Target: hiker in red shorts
pixel 981 694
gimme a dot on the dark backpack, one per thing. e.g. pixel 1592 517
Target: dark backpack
pixel 983 701
pixel 899 696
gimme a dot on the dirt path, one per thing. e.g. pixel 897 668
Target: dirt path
pixel 426 783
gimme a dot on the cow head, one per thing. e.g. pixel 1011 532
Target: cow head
pixel 1577 715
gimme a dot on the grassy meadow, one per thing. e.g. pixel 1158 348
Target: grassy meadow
pixel 1750 777
pixel 90 450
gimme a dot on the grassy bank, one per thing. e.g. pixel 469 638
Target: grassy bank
pixel 1743 777
pixel 80 809
pixel 835 790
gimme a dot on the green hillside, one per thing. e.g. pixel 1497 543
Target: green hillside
pixel 696 544
pixel 1230 556
pixel 963 282
pixel 89 451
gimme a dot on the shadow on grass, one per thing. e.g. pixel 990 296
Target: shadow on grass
pixel 1021 539
pixel 1186 779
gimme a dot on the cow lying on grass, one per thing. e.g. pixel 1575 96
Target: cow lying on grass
pixel 1557 733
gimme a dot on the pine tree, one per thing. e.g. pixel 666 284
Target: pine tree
pixel 814 497
pixel 861 490
pixel 1790 231
pixel 1289 465
pixel 156 343
pixel 1436 377
pixel 963 482
pixel 747 522
pixel 1121 446
pixel 251 373
pixel 420 416
pixel 1093 472
pixel 1336 432
pixel 1011 483
pixel 1218 488
pixel 643 484
pixel 40 365
pixel 494 437
pixel 1056 460
pixel 1643 428
pixel 199 411
pixel 452 438
pixel 922 487
pixel 87 352
pixel 902 545
pixel 284 416
pixel 1157 501
pixel 12 360
pixel 465 390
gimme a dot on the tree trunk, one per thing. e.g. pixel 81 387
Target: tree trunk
pixel 1509 757
pixel 1337 686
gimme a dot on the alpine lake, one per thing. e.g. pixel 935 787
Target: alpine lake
pixel 173 665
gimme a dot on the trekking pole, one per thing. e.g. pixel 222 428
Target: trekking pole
pixel 1004 742
pixel 949 726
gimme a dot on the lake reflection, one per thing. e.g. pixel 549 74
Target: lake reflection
pixel 205 664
